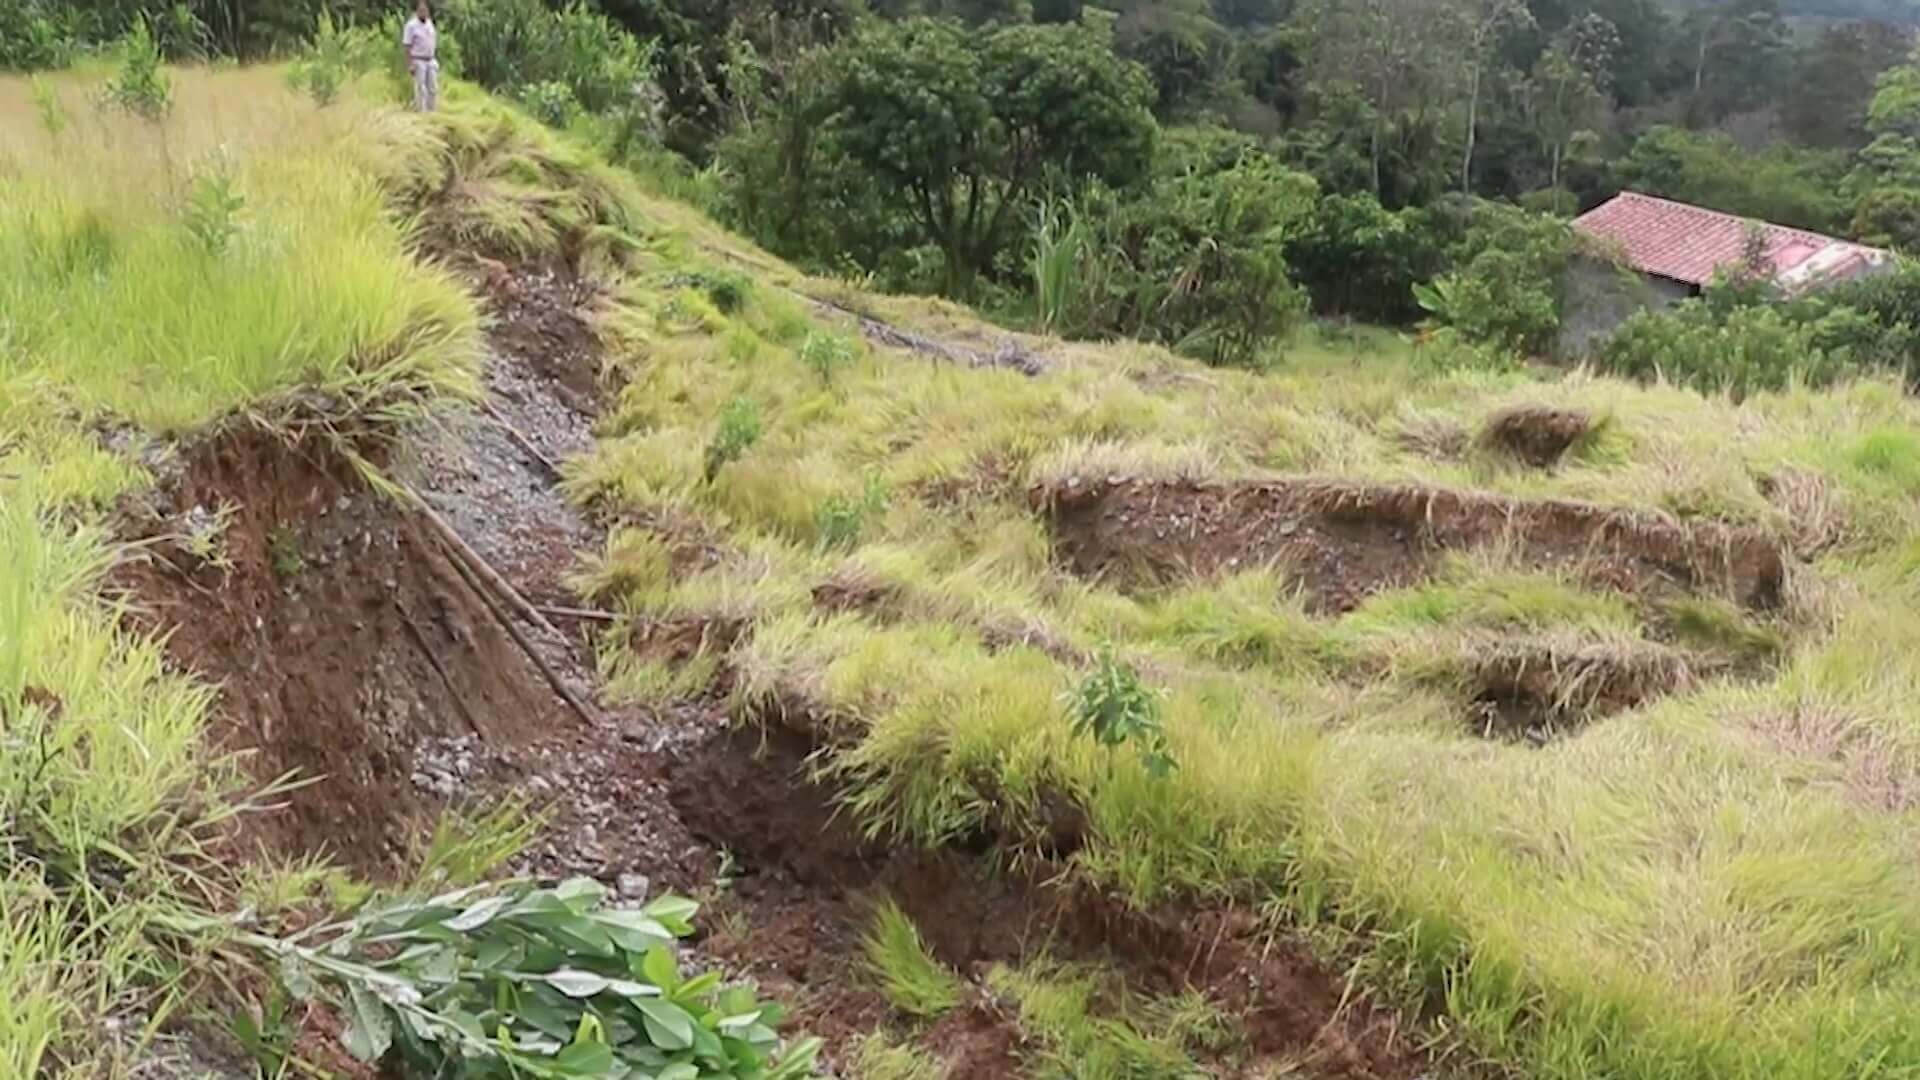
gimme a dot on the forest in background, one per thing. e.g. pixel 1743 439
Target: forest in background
pixel 1203 173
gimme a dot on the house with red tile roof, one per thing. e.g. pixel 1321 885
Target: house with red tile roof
pixel 1674 250
pixel 1684 246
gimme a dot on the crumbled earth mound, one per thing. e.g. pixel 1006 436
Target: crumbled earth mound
pixel 1534 434
pixel 1537 690
pixel 807 877
pixel 1341 541
pixel 354 646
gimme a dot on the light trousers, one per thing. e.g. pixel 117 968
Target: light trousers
pixel 426 84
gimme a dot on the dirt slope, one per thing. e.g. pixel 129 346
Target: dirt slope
pixel 354 648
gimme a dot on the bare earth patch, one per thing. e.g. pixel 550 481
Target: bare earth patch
pixel 1342 541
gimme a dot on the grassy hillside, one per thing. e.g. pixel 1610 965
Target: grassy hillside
pixel 121 328
pixel 1577 714
pixel 1716 881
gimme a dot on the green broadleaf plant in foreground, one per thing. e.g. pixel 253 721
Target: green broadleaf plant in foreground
pixel 518 981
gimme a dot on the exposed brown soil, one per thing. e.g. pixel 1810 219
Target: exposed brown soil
pixel 1340 542
pixel 806 880
pixel 1535 434
pixel 350 646
pixel 339 635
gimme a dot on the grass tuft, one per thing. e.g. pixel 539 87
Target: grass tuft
pixel 897 960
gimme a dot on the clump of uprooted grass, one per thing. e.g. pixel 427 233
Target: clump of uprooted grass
pixel 880 1057
pixel 1089 1026
pixel 1538 435
pixel 898 962
pixel 1643 899
pixel 115 290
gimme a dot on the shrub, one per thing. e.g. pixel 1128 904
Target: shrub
pixel 1505 288
pixel 38 36
pixel 1357 258
pixel 212 212
pixel 551 102
pixel 739 429
pixel 46 102
pixel 1200 258
pixel 1752 348
pixel 842 518
pixel 512 45
pixel 826 355
pixel 139 86
pixel 1887 330
pixel 1114 708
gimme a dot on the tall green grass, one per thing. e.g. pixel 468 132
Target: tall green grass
pixel 1719 883
pixel 108 292
pixel 132 301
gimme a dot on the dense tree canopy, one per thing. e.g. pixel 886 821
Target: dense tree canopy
pixel 1200 168
pixel 963 127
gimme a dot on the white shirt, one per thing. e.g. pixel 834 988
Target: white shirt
pixel 419 39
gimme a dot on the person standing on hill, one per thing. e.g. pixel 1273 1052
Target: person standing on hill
pixel 420 40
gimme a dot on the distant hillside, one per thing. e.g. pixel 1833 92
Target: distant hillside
pixel 1903 12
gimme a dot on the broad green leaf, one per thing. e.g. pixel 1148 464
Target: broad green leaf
pixel 633 930
pixel 627 988
pixel 591 1058
pixel 668 1025
pixel 576 983
pixel 547 1010
pixel 676 912
pixel 297 976
pixel 369 1026
pixel 731 1024
pixel 707 1044
pixel 681 1071
pixel 494 954
pixel 758 1035
pixel 479 914
pixel 697 986
pixel 580 894
pixel 659 969
pixel 539 903
pixel 569 931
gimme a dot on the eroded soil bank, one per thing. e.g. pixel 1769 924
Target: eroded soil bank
pixel 355 646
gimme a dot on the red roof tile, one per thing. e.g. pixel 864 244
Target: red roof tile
pixel 1688 243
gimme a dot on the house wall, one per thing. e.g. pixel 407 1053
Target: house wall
pixel 1598 296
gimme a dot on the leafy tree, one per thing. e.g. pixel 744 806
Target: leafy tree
pixel 1400 56
pixel 1487 24
pixel 964 127
pixel 1889 217
pixel 1784 184
pixel 1834 80
pixel 1183 49
pixel 1567 90
pixel 1740 51
pixel 1204 257
pixel 1357 258
pixel 1505 288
